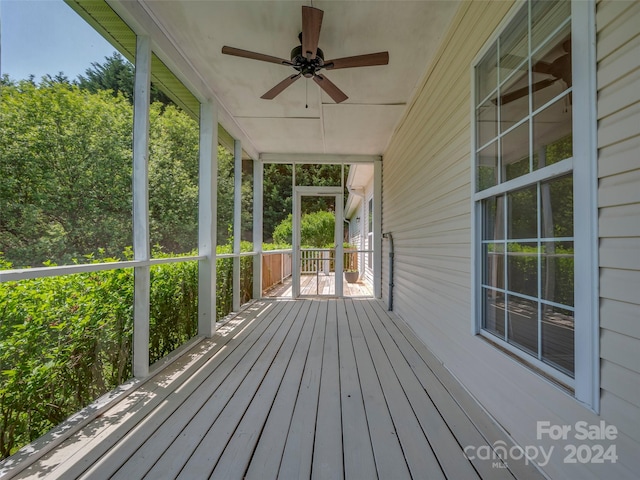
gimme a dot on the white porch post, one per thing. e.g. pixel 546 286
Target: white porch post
pixel 258 170
pixel 237 219
pixel 141 207
pixel 207 218
pixel 377 228
pixel 295 241
pixel 339 260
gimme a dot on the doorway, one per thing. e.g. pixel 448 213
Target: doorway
pixel 317 248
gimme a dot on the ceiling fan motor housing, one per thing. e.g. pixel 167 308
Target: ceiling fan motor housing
pixel 308 67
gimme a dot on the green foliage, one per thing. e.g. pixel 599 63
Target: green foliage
pixel 63 342
pixel 278 192
pixel 173 179
pixel 224 278
pixel 556 266
pixel 317 230
pixel 117 75
pixel 225 197
pixel 65 175
pixel 173 307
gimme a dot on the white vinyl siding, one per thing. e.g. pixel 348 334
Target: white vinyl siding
pixel 427 208
pixel 618 56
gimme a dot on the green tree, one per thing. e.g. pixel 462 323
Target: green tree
pixel 65 173
pixel 117 75
pixel 317 230
pixel 278 191
pixel 173 179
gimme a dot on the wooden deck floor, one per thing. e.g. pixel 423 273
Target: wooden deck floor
pixel 322 285
pixel 292 390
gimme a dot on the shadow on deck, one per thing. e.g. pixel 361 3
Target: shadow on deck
pixel 301 389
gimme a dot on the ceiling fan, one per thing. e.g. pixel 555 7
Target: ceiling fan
pixel 307 59
pixel 559 69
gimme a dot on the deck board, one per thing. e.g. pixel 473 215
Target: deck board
pixel 417 452
pixel 145 445
pixel 390 461
pixel 327 451
pixel 438 435
pixel 301 389
pixel 235 459
pixel 358 458
pixel 298 451
pixel 268 453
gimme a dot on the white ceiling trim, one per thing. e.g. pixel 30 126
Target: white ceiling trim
pixel 317 158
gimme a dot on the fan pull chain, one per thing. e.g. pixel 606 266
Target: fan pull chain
pixel 306 94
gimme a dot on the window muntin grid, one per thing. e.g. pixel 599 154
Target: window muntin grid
pixel 526 283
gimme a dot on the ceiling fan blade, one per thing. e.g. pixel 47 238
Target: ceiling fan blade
pixel 238 52
pixel 277 90
pixel 369 60
pixel 524 91
pixel 311 24
pixel 334 92
pixel 541 67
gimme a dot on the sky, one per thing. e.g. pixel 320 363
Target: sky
pixel 42 37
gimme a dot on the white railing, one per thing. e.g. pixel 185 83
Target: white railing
pixel 314 260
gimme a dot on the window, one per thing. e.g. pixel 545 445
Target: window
pixel 526 206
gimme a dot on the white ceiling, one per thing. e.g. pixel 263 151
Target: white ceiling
pixel 410 31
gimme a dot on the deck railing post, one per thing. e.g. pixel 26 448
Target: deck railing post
pixel 142 275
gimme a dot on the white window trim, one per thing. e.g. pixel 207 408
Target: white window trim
pixel 586 383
